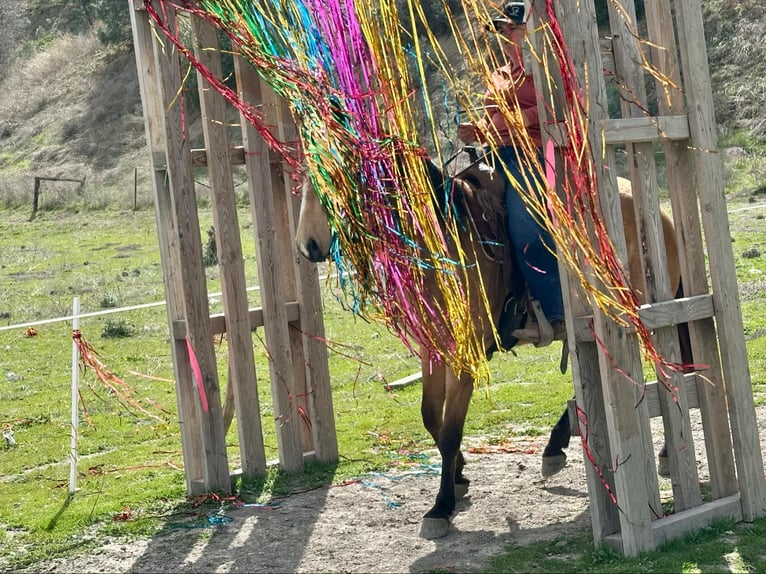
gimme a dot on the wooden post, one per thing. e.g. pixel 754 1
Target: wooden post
pixel 231 262
pixel 264 190
pixel 683 196
pixel 189 320
pixel 143 42
pixel 736 370
pixel 643 172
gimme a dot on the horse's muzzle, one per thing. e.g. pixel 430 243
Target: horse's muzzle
pixel 311 251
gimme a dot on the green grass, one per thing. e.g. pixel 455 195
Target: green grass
pixel 131 463
pixel 721 547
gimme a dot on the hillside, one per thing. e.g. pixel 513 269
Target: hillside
pixel 70 106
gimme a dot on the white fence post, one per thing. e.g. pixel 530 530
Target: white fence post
pixel 75 414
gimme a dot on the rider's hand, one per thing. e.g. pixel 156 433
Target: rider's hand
pixel 467 133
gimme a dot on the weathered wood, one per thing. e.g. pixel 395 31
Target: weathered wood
pixel 682 523
pixel 627 427
pixel 642 129
pixel 583 355
pixel 405 381
pixel 231 262
pixel 736 371
pixel 143 42
pixel 643 174
pixel 190 271
pixel 657 315
pixel 652 397
pixel 683 198
pixel 310 348
pixel 265 220
pixel 218 321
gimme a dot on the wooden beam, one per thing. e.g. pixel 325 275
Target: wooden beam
pixel 242 380
pixel 405 381
pixel 652 398
pixel 681 523
pixel 236 156
pixel 645 129
pixel 658 315
pixel 723 276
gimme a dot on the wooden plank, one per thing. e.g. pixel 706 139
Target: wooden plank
pixel 645 129
pixel 405 381
pixel 191 444
pixel 682 523
pixel 583 355
pixel 675 311
pixel 683 198
pixel 190 269
pixel 635 477
pixel 643 175
pixel 313 350
pixel 236 156
pixel 657 315
pixel 231 262
pixel 286 203
pixel 735 367
pixel 218 321
pixel 652 396
pixel 265 220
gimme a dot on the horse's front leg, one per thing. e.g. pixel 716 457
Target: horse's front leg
pixel 457 398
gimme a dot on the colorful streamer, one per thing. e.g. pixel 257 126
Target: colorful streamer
pixel 359 88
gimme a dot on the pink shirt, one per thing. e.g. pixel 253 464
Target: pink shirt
pixel 517 88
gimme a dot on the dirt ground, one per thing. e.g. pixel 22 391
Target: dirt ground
pixel 371 525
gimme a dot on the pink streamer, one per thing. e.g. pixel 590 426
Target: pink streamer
pixel 197 373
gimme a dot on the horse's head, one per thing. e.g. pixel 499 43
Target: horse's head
pixel 313 235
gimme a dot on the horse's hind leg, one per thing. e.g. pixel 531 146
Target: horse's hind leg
pixel 457 398
pixel 554 457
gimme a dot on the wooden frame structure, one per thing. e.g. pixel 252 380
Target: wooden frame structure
pixel 618 420
pixel 291 307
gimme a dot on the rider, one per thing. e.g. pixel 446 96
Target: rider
pixel 531 241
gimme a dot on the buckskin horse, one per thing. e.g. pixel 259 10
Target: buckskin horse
pixel 446 395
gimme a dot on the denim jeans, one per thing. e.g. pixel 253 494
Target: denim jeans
pixel 531 242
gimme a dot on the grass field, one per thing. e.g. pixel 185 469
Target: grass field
pixel 131 462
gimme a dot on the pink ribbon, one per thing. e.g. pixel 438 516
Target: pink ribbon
pixel 197 373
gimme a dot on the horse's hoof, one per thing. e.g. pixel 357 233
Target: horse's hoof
pixel 432 528
pixel 460 490
pixel 553 464
pixel 663 466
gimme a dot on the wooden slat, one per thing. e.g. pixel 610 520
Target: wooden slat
pixel 645 129
pixel 629 431
pixel 652 392
pixel 643 175
pixel 312 360
pixel 736 371
pixel 658 315
pixel 584 355
pixel 191 443
pixel 218 321
pixel 231 262
pixel 683 198
pixel 682 523
pixel 236 156
pixel 675 311
pixel 265 219
pixel 191 273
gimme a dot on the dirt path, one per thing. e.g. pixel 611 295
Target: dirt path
pixel 371 525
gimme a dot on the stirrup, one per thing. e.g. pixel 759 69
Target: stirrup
pixel 546 330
